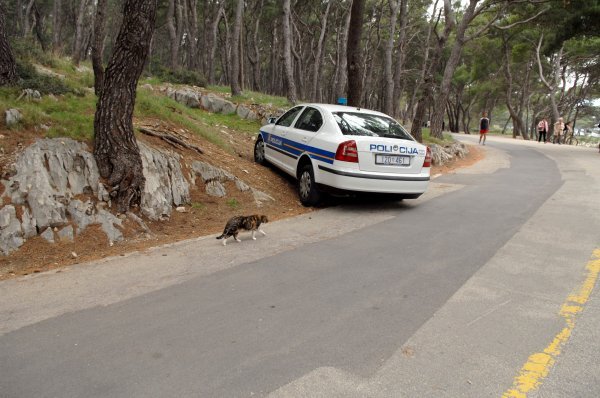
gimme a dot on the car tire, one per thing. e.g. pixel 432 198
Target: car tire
pixel 307 187
pixel 259 151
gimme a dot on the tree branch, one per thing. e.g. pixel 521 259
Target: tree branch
pixel 521 22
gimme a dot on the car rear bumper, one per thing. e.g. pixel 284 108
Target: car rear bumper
pixel 354 180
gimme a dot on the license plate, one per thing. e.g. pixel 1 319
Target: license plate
pixel 392 160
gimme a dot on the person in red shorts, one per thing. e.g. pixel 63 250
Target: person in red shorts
pixel 484 126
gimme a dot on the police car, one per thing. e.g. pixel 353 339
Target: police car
pixel 341 148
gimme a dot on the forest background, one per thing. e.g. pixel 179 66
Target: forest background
pixel 418 60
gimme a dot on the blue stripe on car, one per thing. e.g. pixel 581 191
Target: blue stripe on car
pixel 295 149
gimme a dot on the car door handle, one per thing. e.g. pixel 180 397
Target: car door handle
pixel 304 139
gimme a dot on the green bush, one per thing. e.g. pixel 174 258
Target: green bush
pixel 181 76
pixel 30 78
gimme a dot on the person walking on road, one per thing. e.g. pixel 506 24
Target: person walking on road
pixel 542 128
pixel 559 126
pixel 484 125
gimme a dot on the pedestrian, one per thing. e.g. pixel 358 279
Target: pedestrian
pixel 566 131
pixel 559 126
pixel 484 125
pixel 542 128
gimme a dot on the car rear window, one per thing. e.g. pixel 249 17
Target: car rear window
pixel 352 123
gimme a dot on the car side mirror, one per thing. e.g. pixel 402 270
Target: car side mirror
pixel 271 120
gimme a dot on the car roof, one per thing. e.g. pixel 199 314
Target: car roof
pixel 343 108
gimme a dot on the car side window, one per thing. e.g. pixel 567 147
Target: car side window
pixel 310 120
pixel 288 117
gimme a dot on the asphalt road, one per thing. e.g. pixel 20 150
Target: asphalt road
pixel 452 295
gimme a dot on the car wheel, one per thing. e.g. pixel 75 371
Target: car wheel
pixel 307 187
pixel 259 151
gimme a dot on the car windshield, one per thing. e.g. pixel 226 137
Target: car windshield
pixel 352 123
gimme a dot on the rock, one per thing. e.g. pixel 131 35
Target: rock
pixel 228 108
pixel 217 104
pixel 260 197
pixel 48 234
pixel 165 184
pixel 80 214
pixel 27 224
pixel 30 95
pixel 49 173
pixel 108 221
pixel 73 254
pixel 214 177
pixel 11 234
pixel 42 70
pixel 148 87
pixel 211 103
pixel 66 234
pixel 246 113
pixel 180 209
pixel 209 172
pixel 139 221
pixel 12 117
pixel 185 96
pixel 215 188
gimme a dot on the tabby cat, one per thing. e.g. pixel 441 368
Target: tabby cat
pixel 247 223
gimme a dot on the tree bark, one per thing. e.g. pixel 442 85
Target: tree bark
pixel 402 45
pixel 340 89
pixel 287 54
pixel 213 44
pixel 98 45
pixel 354 54
pixel 78 43
pixel 8 69
pixel 317 65
pixel 235 49
pixel 388 96
pixel 115 147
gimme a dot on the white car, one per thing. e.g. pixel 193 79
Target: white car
pixel 341 148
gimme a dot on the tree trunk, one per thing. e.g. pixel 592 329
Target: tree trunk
pixel 193 39
pixel 453 60
pixel 388 95
pixel 317 65
pixel 235 49
pixel 398 87
pixel 27 19
pixel 213 44
pixel 8 69
pixel 171 16
pixel 56 25
pixel 354 53
pixel 340 89
pixel 254 55
pixel 98 45
pixel 287 53
pixel 78 44
pixel 115 147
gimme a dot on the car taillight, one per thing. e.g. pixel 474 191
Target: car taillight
pixel 347 152
pixel 427 162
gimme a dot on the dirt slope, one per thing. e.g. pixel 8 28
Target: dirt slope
pixel 203 216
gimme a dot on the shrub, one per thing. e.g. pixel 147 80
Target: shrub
pixel 30 78
pixel 181 76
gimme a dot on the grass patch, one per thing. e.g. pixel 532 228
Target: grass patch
pixel 253 97
pixel 198 206
pixel 233 203
pixel 67 116
pixel 428 139
pixel 232 121
pixel 162 107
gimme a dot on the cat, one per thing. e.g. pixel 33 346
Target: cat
pixel 247 223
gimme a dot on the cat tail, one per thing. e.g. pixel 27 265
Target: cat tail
pixel 221 237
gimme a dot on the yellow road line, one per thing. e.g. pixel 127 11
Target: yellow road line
pixel 538 365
